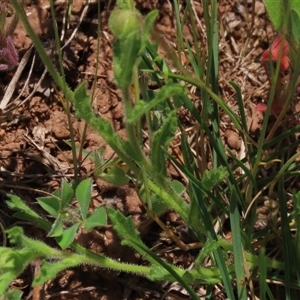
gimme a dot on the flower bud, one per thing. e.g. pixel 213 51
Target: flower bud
pixel 125 22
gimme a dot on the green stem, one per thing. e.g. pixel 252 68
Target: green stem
pixel 161 187
pixel 130 128
pixel 90 257
pixel 137 99
pixel 66 103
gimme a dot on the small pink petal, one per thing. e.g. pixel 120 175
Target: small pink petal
pixel 261 107
pixel 284 64
pixel 273 53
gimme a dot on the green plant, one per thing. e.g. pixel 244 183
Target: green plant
pixel 214 192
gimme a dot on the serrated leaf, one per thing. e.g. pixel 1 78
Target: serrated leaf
pixel 124 227
pixel 161 140
pixel 57 227
pixel 50 204
pixel 16 236
pixel 5 280
pixel 123 4
pixel 67 194
pixel 39 222
pixel 84 110
pixel 83 195
pixel 159 273
pixel 13 262
pixel 158 205
pixel 49 270
pixel 14 295
pixel 207 250
pixel 82 102
pixel 68 236
pixel 169 90
pixel 97 218
pixel 174 271
pixel 26 213
pixel 213 177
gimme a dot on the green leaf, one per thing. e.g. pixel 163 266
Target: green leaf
pixel 83 195
pixel 49 270
pixel 50 204
pixel 178 187
pixel 172 270
pixel 130 237
pixel 132 35
pixel 68 236
pixel 16 236
pixel 124 227
pixel 296 198
pixel 115 176
pixel 238 252
pixel 206 250
pixel 295 6
pixel 26 213
pixel 13 263
pixel 125 54
pixel 161 140
pixel 99 160
pixel 124 4
pixel 67 194
pixel 195 219
pixel 14 295
pixel 83 103
pixel 123 22
pixel 57 227
pixel 213 177
pixel 165 70
pixel 158 205
pixel 295 24
pixel 149 23
pixel 169 90
pixel 97 218
pixel 101 125
pixel 276 12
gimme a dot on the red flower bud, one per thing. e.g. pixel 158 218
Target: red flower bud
pixel 273 53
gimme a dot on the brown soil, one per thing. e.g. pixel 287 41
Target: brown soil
pixel 34 128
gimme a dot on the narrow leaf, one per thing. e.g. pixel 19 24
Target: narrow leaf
pixel 26 213
pixel 169 90
pixel 57 227
pixel 83 195
pixel 67 194
pixel 161 140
